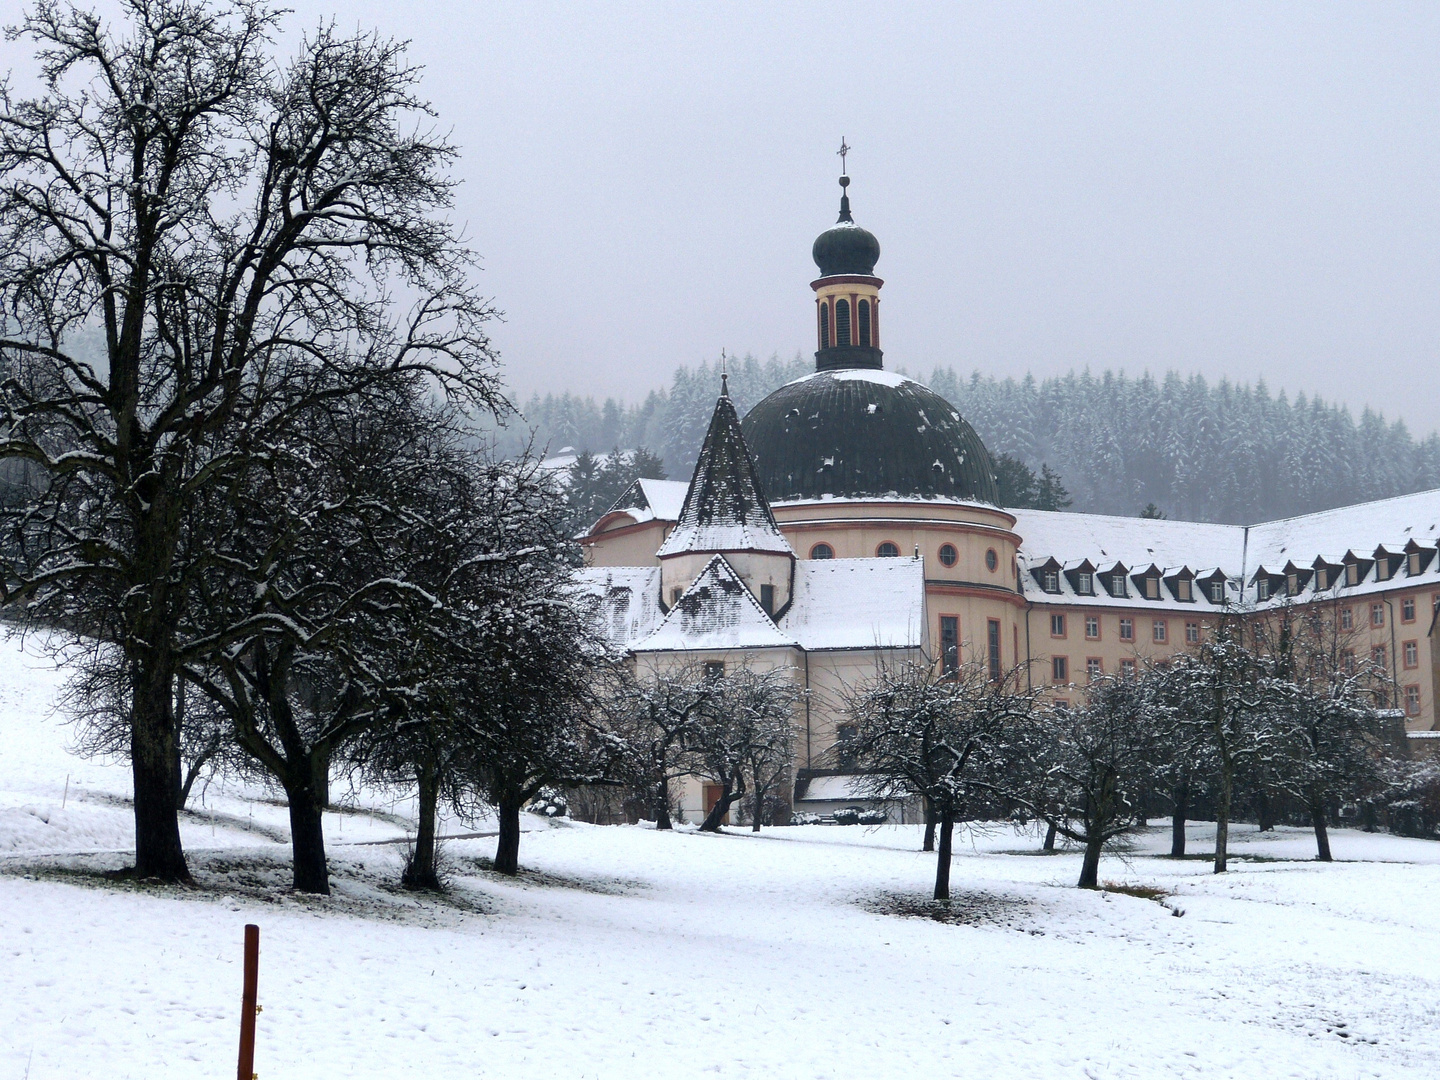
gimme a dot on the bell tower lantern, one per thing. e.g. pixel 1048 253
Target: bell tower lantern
pixel 847 292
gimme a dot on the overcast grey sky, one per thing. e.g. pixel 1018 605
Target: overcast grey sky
pixel 1244 191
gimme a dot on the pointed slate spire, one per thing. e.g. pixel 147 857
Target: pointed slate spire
pixel 725 509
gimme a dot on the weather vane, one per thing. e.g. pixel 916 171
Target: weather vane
pixel 842 152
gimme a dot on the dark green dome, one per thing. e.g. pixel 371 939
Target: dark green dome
pixel 864 433
pixel 846 248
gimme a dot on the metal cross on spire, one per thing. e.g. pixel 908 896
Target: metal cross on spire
pixel 844 149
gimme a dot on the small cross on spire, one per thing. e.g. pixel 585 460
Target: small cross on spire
pixel 844 149
pixel 724 378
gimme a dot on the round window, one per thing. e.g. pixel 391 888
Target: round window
pixel 822 551
pixel 991 560
pixel 948 555
pixel 887 550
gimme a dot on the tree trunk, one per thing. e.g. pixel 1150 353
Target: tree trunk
pixel 1322 834
pixel 759 806
pixel 660 805
pixel 507 846
pixel 942 858
pixel 929 844
pixel 1180 797
pixel 155 768
pixel 729 796
pixel 1090 867
pixel 321 765
pixel 1265 810
pixel 1222 820
pixel 420 874
pixel 1049 844
pixel 307 839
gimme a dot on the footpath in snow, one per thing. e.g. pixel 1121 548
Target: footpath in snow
pixel 624 952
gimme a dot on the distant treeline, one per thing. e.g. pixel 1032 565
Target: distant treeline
pixel 1199 451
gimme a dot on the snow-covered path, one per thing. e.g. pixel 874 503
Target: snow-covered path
pixel 632 953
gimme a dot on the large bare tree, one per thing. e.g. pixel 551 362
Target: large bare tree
pixel 204 214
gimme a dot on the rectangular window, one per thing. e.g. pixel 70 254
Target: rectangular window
pixel 1092 627
pixel 1407 609
pixel 1292 585
pixel 1377 614
pixel 1347 619
pixel 1127 668
pixel 1052 581
pixel 1184 584
pixel 1347 661
pixel 1192 633
pixel 1085 584
pixel 1352 573
pixel 1127 630
pixel 1382 569
pixel 1059 669
pixel 1322 579
pixel 1061 705
pixel 1262 589
pixel 1412 701
pixel 1117 585
pixel 1377 656
pixel 992 645
pixel 1152 588
pixel 767 599
pixel 1160 629
pixel 1412 654
pixel 950 643
pixel 714 669
pixel 1094 668
pixel 1057 625
pixel 1413 564
pixel 1217 592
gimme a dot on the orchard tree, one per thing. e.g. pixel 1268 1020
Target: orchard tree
pixel 1087 768
pixel 655 713
pixel 746 718
pixel 955 739
pixel 199 208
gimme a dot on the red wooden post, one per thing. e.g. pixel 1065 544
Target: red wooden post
pixel 248 1006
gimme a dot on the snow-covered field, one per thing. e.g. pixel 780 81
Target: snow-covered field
pixel 624 952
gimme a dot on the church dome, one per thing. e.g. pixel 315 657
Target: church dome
pixel 866 433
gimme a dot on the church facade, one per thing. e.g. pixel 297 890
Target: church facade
pixel 852 516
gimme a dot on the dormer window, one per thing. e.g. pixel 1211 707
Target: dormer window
pixel 1182 587
pixel 1412 564
pixel 1085 584
pixel 1352 574
pixel 1262 589
pixel 1292 584
pixel 1152 588
pixel 1322 579
pixel 1052 581
pixel 1117 585
pixel 1217 592
pixel 1382 569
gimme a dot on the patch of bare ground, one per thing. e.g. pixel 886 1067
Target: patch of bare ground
pixel 1144 892
pixel 607 886
pixel 363 888
pixel 962 909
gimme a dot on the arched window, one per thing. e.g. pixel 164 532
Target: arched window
pixel 862 323
pixel 822 551
pixel 824 326
pixel 887 550
pixel 842 322
pixel 948 555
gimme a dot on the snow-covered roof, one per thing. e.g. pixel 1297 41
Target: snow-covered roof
pixel 872 375
pixel 857 604
pixel 629 600
pixel 1238 551
pixel 834 789
pixel 715 612
pixel 1361 528
pixel 651 500
pixel 724 509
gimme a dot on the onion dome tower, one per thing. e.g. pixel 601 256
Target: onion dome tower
pixel 853 430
